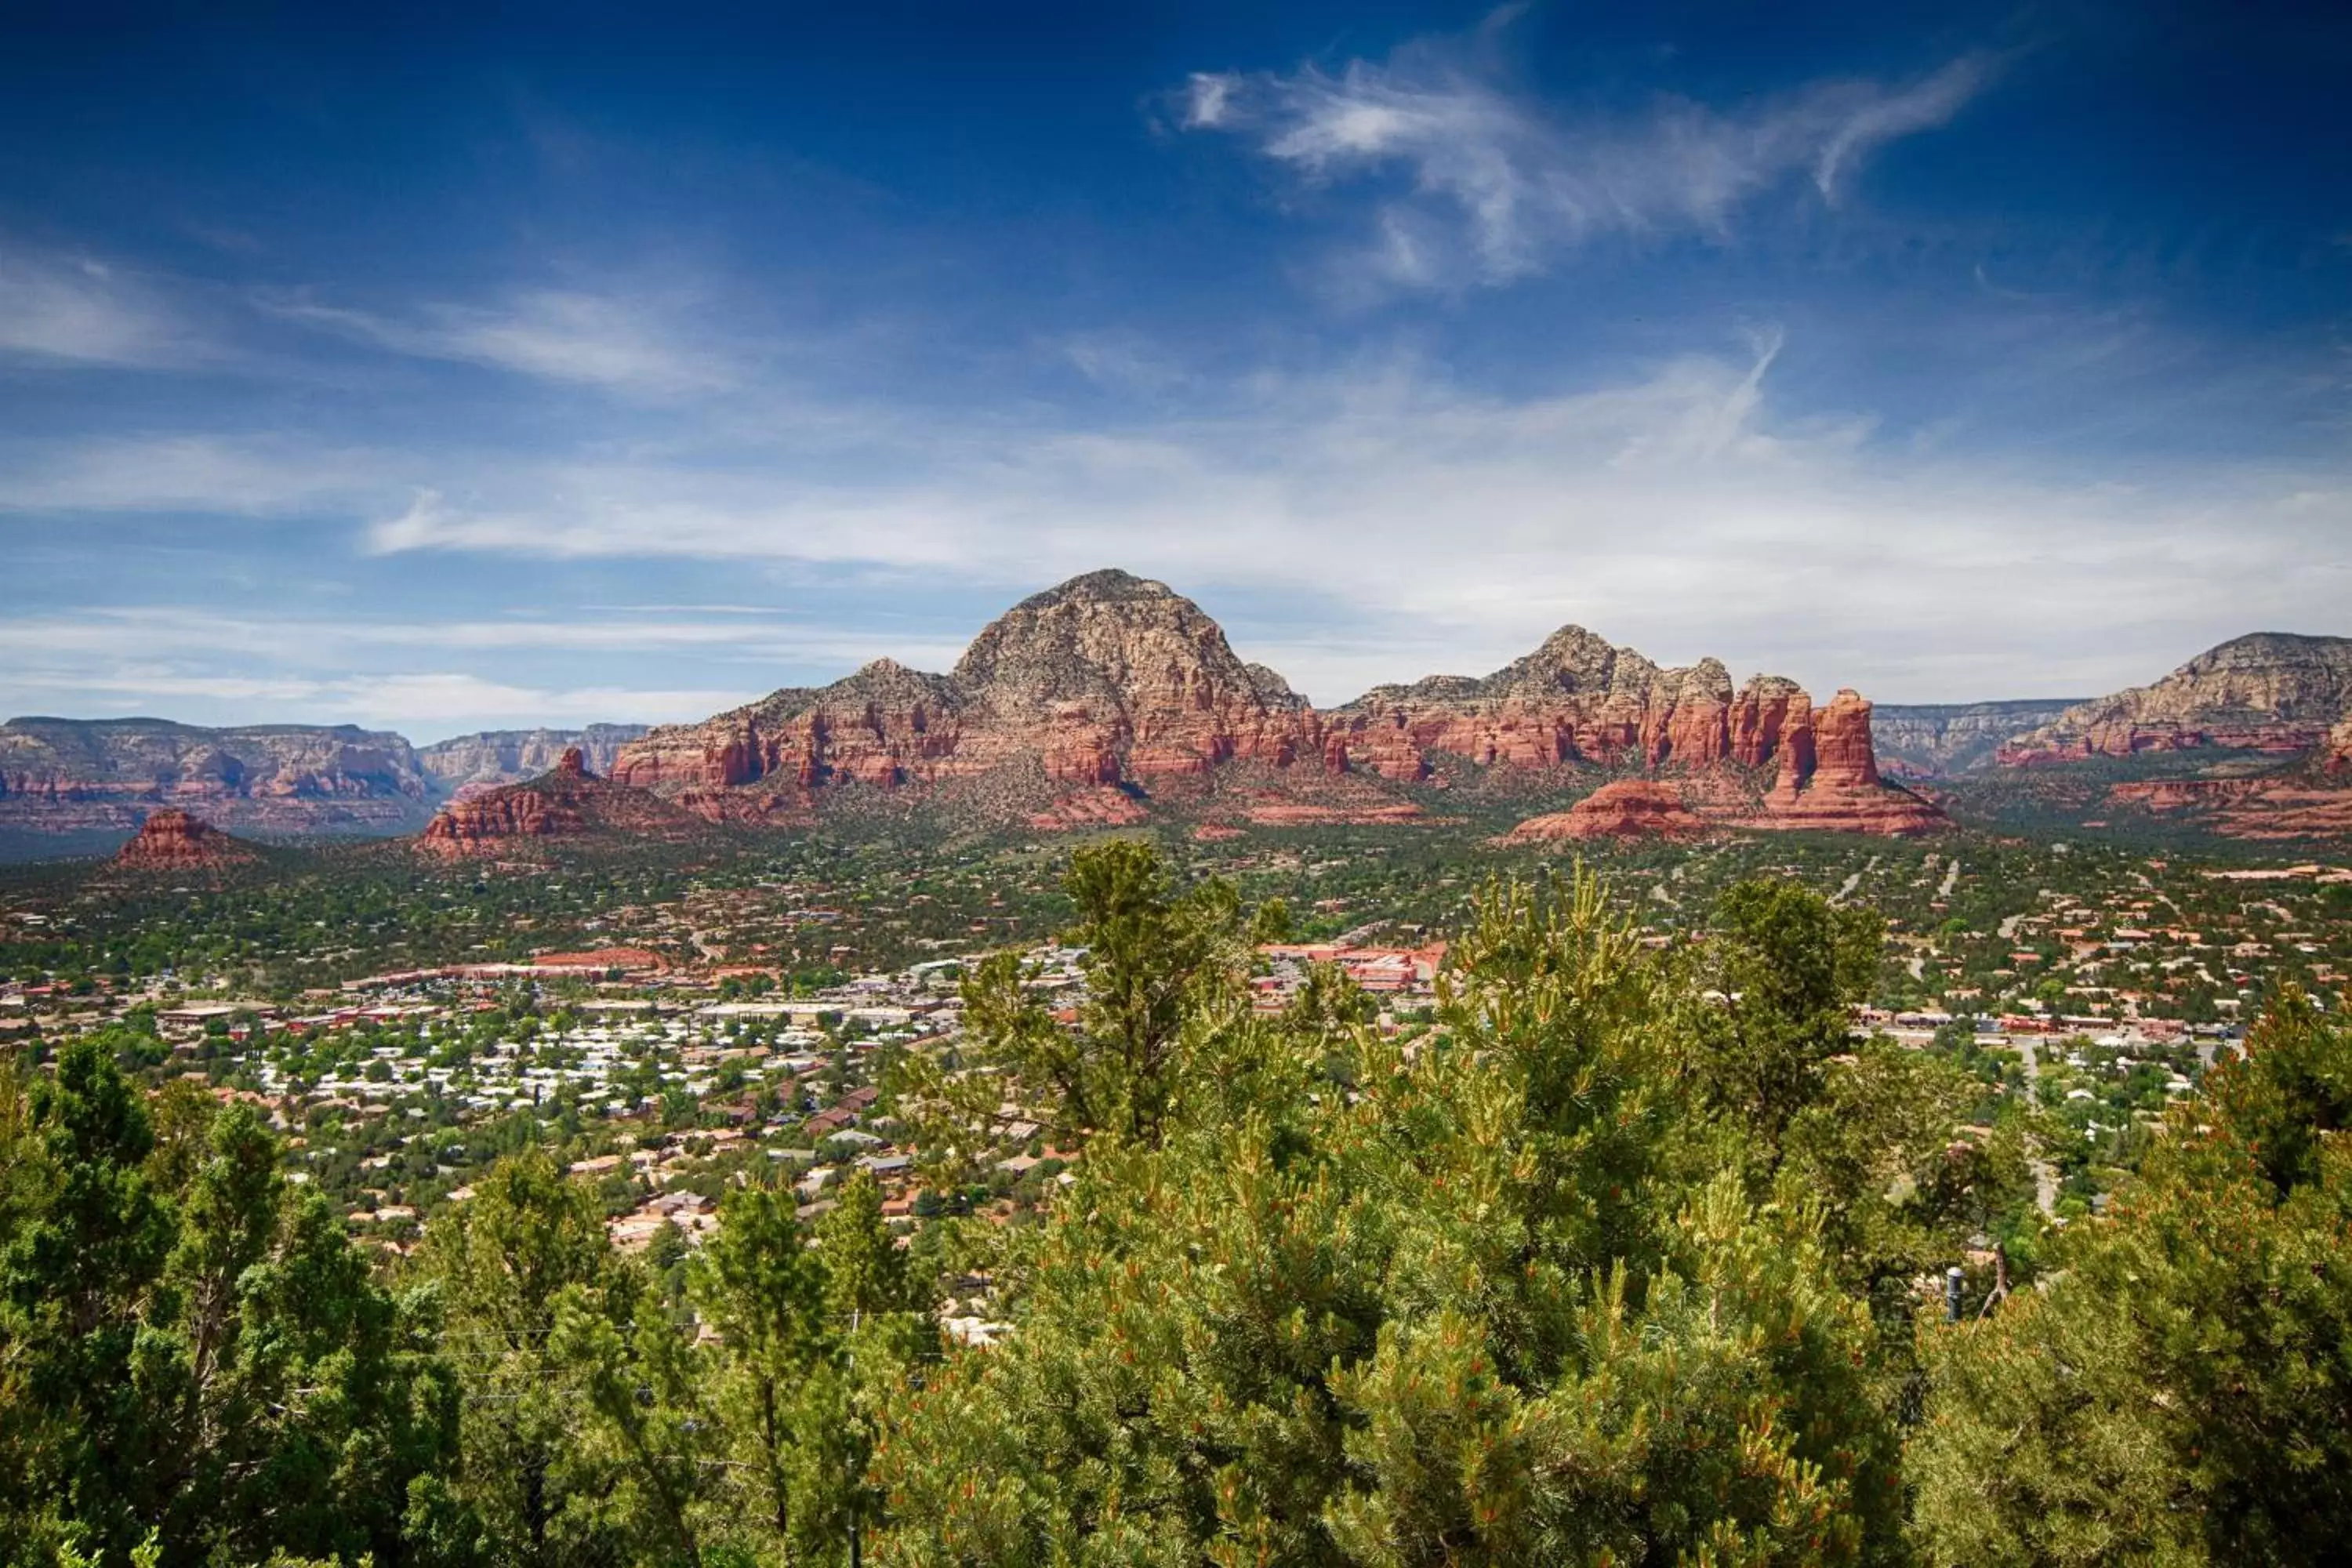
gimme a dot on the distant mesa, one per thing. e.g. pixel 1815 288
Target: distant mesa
pixel 2275 695
pixel 71 776
pixel 566 802
pixel 1934 741
pixel 468 765
pixel 1113 682
pixel 174 840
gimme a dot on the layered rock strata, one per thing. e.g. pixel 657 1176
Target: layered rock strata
pixel 567 803
pixel 62 775
pixel 468 763
pixel 2309 799
pixel 2271 691
pixel 1841 790
pixel 1111 681
pixel 174 840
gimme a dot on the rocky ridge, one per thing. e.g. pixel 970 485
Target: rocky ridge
pixel 566 802
pixel 60 775
pixel 1111 683
pixel 2275 694
pixel 2271 691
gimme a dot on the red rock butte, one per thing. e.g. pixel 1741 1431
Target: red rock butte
pixel 174 840
pixel 568 801
pixel 1116 682
pixel 1623 808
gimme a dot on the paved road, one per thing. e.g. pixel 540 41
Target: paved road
pixel 2046 1174
pixel 1853 881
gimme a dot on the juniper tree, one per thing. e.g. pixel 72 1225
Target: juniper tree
pixel 1470 1311
pixel 503 1266
pixel 2182 1390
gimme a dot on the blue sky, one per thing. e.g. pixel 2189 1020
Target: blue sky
pixel 519 364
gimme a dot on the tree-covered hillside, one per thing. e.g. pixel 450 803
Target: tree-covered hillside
pixel 1630 1252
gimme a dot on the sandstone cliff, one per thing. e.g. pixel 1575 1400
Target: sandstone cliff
pixel 2310 797
pixel 464 764
pixel 1939 740
pixel 1574 699
pixel 1840 791
pixel 65 776
pixel 514 821
pixel 1115 683
pixel 2271 691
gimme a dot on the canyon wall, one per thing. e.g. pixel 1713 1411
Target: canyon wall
pixel 65 776
pixel 1939 740
pixel 465 762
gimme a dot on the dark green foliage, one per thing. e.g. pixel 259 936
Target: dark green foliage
pixel 1790 965
pixel 1614 1255
pixel 504 1268
pixel 220 1377
pixel 2183 1390
pixel 77 1275
pixel 1156 961
pixel 1465 1315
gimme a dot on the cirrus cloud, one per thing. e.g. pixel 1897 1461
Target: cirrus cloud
pixel 1499 186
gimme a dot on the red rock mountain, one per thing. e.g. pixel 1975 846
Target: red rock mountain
pixel 1104 680
pixel 566 802
pixel 1115 682
pixel 2271 691
pixel 1575 698
pixel 173 840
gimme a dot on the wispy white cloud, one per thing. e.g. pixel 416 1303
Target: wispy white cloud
pixel 427 706
pixel 1872 117
pixel 312 641
pixel 256 476
pixel 1681 508
pixel 1500 186
pixel 588 338
pixel 65 308
pixel 1685 508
